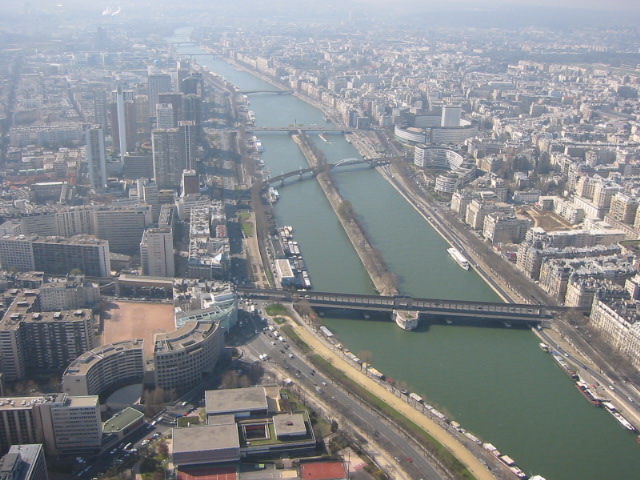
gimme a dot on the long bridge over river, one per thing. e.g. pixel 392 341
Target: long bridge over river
pixel 298 128
pixel 485 312
pixel 313 171
pixel 274 92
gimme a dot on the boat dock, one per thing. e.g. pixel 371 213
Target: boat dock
pixel 288 248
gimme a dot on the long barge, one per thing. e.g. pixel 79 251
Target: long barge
pixel 618 416
pixel 568 369
pixel 291 250
pixel 586 392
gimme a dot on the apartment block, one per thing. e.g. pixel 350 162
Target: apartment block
pixel 64 424
pixel 104 367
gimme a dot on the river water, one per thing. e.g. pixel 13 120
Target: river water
pixel 495 381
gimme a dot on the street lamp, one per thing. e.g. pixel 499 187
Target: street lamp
pixel 165 462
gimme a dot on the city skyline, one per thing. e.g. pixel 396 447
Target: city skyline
pixel 163 153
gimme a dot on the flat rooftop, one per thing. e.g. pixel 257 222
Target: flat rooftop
pixel 236 400
pixel 224 419
pixel 54 399
pixel 289 424
pixel 205 438
pixel 122 420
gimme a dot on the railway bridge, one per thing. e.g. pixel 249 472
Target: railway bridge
pixel 484 312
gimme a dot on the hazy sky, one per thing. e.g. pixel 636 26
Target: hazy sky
pixel 627 10
pixel 633 5
pixel 399 4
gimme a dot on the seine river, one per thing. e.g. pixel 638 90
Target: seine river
pixel 496 382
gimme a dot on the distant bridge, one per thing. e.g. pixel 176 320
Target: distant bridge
pixel 298 128
pixel 373 162
pixel 513 313
pixel 275 92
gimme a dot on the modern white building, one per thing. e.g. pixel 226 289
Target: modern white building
pixel 122 227
pixel 156 252
pixel 619 327
pixel 64 424
pixel 157 83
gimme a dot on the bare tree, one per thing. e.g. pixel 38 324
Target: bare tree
pixel 366 356
pixel 230 379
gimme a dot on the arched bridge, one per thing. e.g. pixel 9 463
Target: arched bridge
pixel 313 171
pixel 516 313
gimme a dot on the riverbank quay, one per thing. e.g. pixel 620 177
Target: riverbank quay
pixel 383 280
pixel 563 333
pixel 435 430
pixel 367 439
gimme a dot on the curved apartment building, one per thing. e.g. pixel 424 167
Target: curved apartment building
pixel 104 367
pixel 436 135
pixel 182 357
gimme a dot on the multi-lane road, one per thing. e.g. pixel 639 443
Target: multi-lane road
pixel 286 361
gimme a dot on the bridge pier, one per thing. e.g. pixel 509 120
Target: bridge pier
pixel 406 319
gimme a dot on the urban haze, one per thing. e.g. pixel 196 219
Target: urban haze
pixel 352 239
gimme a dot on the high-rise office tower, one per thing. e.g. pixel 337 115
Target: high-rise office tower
pixel 190 183
pixel 175 100
pixel 158 83
pixel 192 109
pixel 96 156
pixel 143 122
pixel 101 109
pixel 165 116
pixel 138 166
pixel 156 252
pixel 169 156
pixel 192 85
pixel 190 132
pixel 122 132
pixel 183 69
pixel 123 121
